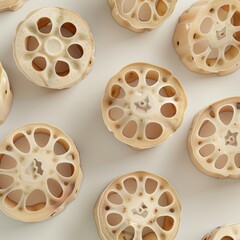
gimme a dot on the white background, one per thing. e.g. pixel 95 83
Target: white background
pixel 206 202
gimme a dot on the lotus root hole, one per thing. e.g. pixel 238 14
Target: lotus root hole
pixel 207 150
pixel 31 43
pixel 151 186
pixel 115 198
pixel 62 68
pixel 237 160
pixel 114 219
pixel 42 136
pixel 130 185
pixel 39 63
pixel 148 233
pixel 68 30
pixel 61 147
pixel 167 91
pixel 153 130
pixel 75 51
pixel 152 77
pixel 127 234
pixel 165 222
pixel 117 92
pixel 132 78
pixel 236 19
pixel 223 12
pixel 237 36
pixel 130 129
pixel 207 129
pixel 21 143
pixel 221 161
pixel 128 6
pixel 226 114
pixel 206 25
pixel 161 8
pixel 231 52
pixel 54 188
pixel 115 113
pixel 7 162
pixel 168 110
pixel 65 169
pixel 165 199
pixel 36 201
pixel 145 12
pixel 5 181
pixel 13 198
pixel 227 238
pixel 44 25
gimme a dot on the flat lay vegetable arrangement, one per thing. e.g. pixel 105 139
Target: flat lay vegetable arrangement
pixel 145 104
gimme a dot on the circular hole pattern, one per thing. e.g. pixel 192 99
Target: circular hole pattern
pixel 5 181
pixel 7 162
pixel 44 25
pixel 206 25
pixel 221 161
pixel 152 77
pixel 161 8
pixel 145 12
pixel 42 136
pixel 167 91
pixel 130 185
pixel 117 92
pixel 165 222
pixel 207 129
pixel 200 47
pixel 36 201
pixel 223 12
pixel 151 185
pixel 68 30
pixel 21 143
pixel 148 233
pixel 54 188
pixel 75 51
pixel 13 198
pixel 226 114
pixel 127 233
pixel 207 150
pixel 128 6
pixel 39 63
pixel 231 52
pixel 65 169
pixel 61 147
pixel 237 160
pixel 31 43
pixel 237 36
pixel 114 219
pixel 227 238
pixel 153 130
pixel 168 110
pixel 115 198
pixel 130 129
pixel 165 199
pixel 62 68
pixel 132 78
pixel 115 113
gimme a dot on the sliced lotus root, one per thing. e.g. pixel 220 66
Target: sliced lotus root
pixel 54 47
pixel 40 173
pixel 227 232
pixel 143 105
pixel 12 5
pixel 6 95
pixel 138 206
pixel 214 139
pixel 207 37
pixel 138 15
